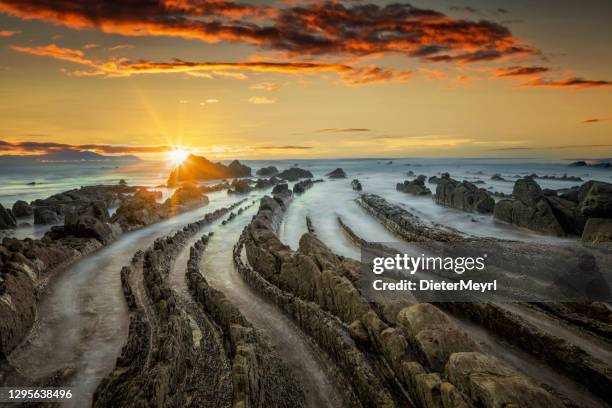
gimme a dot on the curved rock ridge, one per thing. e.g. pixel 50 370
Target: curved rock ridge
pixel 26 265
pixel 582 357
pixel 259 377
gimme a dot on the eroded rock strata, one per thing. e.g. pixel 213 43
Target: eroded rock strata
pixel 426 356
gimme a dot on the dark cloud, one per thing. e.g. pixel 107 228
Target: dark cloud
pixel 518 71
pixel 343 130
pixel 577 83
pixel 317 28
pixel 30 147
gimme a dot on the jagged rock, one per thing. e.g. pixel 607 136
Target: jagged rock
pixel 463 196
pixel 238 169
pixel 267 171
pixel 188 195
pixel 91 222
pixel 241 187
pixel 531 209
pixel 7 221
pixel 567 213
pixel 294 174
pixel 434 180
pixel 356 185
pixel 416 186
pixel 281 188
pixel 487 383
pixel 302 186
pixel 45 216
pixel 197 168
pixel 597 230
pixel 337 173
pixel 22 209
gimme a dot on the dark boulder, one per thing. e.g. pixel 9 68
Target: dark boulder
pixel 416 186
pixel 302 186
pixel 463 196
pixel 91 221
pixel 240 187
pixel 281 188
pixel 22 209
pixel 7 220
pixel 337 173
pixel 294 174
pixel 531 209
pixel 45 216
pixel 267 171
pixel 238 169
pixel 356 185
pixel 497 177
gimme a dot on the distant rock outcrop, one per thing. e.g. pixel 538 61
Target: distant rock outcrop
pixel 197 168
pixel 267 171
pixel 337 173
pixel 463 196
pixel 294 174
pixel 601 164
pixel 416 186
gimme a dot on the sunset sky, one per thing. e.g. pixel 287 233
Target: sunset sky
pixel 289 78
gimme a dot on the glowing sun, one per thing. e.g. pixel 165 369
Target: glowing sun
pixel 177 156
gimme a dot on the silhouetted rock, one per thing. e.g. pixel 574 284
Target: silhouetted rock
pixel 463 196
pixel 267 171
pixel 337 173
pixel 198 168
pixel 7 221
pixel 356 185
pixel 22 209
pixel 294 174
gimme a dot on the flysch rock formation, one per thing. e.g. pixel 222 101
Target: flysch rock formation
pixel 463 196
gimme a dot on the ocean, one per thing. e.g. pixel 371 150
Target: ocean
pixel 32 181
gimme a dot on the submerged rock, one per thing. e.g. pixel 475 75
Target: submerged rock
pixel 302 186
pixel 337 173
pixel 416 186
pixel 463 196
pixel 22 209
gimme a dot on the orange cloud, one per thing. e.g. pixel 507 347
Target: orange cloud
pixel 519 71
pixel 349 75
pixel 27 147
pixel 8 33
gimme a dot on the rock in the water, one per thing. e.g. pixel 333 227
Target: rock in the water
pixel 188 195
pixel 302 186
pixel 281 188
pixel 294 174
pixel 497 177
pixel 45 216
pixel 241 187
pixel 22 209
pixel 416 186
pixel 530 209
pixel 7 221
pixel 463 196
pixel 356 185
pixel 267 171
pixel 597 230
pixel 337 173
pixel 197 168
